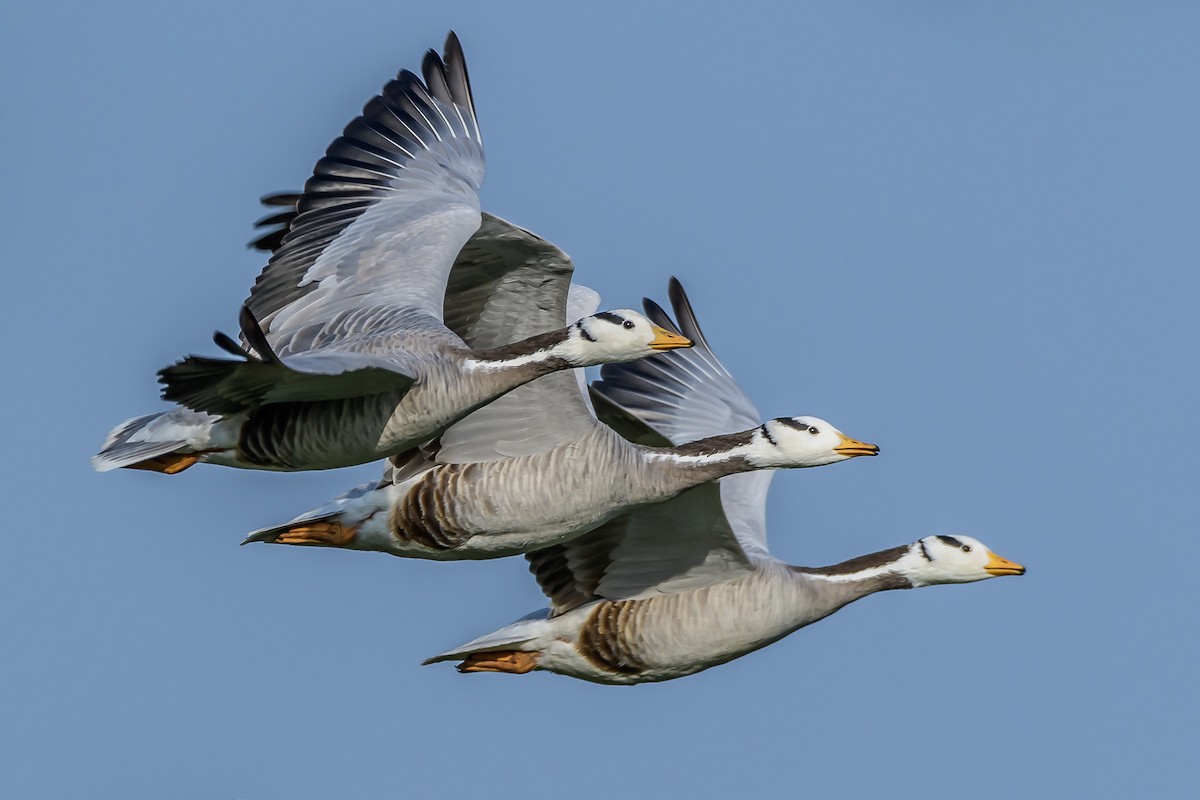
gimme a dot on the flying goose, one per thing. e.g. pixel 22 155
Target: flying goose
pixel 675 588
pixel 536 468
pixel 344 356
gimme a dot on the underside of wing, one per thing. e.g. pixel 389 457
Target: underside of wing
pixel 679 545
pixel 507 284
pixel 387 209
pixel 257 376
pixel 629 425
pixel 684 396
pixel 543 414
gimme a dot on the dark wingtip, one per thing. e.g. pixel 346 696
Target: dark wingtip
pixel 457 76
pixel 688 324
pixel 226 343
pixel 272 240
pixel 280 199
pixel 452 53
pixel 658 315
pixel 432 65
pixel 255 336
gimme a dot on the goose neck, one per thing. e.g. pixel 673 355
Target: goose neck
pixel 524 360
pixel 705 459
pixel 858 577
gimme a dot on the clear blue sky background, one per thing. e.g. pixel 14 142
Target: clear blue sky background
pixel 965 231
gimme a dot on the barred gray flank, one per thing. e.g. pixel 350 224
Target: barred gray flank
pixel 606 637
pixel 421 517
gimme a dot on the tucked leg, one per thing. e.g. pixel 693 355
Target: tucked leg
pixel 168 464
pixel 518 662
pixel 321 534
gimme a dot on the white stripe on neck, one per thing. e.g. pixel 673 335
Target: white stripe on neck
pixel 482 365
pixel 856 577
pixel 717 457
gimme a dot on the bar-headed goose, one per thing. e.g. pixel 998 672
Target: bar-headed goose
pixel 344 355
pixel 536 468
pixel 675 588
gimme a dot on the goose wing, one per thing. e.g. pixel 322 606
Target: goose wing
pixel 678 545
pixel 384 215
pixel 505 279
pixel 507 285
pixel 710 533
pixel 360 258
pixel 687 396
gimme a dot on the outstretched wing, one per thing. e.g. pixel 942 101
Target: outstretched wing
pixel 678 545
pixel 382 219
pixel 707 534
pixel 509 284
pixel 361 257
pixel 687 396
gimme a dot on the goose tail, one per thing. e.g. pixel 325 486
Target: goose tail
pixel 335 524
pixel 162 442
pixel 507 650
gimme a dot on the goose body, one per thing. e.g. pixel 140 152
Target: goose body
pixel 664 633
pixel 536 468
pixel 671 589
pixel 345 355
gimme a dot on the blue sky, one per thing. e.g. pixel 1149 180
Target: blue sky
pixel 966 232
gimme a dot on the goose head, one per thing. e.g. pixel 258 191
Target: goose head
pixel 614 336
pixel 952 559
pixel 802 442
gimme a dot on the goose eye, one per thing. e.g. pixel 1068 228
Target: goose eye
pixel 966 548
pixel 813 431
pixel 627 325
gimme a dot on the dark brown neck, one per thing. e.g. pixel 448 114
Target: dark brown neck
pixel 854 579
pixel 714 445
pixel 870 561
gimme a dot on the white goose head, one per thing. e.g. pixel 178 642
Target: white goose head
pixel 615 336
pixel 952 559
pixel 802 442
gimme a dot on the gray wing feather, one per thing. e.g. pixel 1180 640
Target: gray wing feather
pixel 706 534
pixel 387 209
pixel 260 376
pixel 533 418
pixel 509 284
pixel 678 545
pixel 689 395
pixel 685 395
